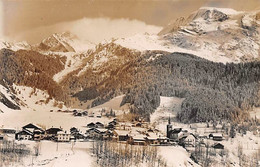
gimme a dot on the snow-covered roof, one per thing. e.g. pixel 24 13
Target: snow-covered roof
pixel 121 132
pixel 62 132
pixel 139 137
pixel 217 135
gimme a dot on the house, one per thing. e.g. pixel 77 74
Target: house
pixel 63 136
pixel 51 133
pixel 99 125
pixel 138 124
pixel 189 140
pixel 216 136
pixel 85 113
pixel 24 135
pixel 8 132
pixel 110 127
pixel 91 125
pixel 139 140
pixel 78 114
pixel 152 139
pixel 163 140
pixel 91 114
pixel 99 115
pixel 30 132
pixel 120 135
pixel 218 146
pixel 90 133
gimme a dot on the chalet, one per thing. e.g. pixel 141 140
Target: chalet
pixel 163 140
pixel 152 139
pixel 90 133
pixel 63 136
pixel 31 131
pixel 138 140
pixel 91 125
pixel 24 135
pixel 120 135
pixel 91 114
pixel 99 125
pixel 138 124
pixel 78 114
pixel 110 127
pixel 85 113
pixel 189 140
pixel 216 136
pixel 99 133
pixel 31 127
pixel 218 146
pixel 51 133
pixel 112 123
pixel 99 115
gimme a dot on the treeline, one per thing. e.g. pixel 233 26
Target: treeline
pixel 30 68
pixel 12 153
pixel 116 154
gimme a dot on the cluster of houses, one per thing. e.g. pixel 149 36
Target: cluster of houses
pixel 187 139
pixel 135 133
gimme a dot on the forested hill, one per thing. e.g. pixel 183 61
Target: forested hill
pixel 211 90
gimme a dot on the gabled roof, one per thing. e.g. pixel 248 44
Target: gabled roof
pixel 99 123
pixel 53 130
pixel 33 126
pixel 91 124
pixel 24 131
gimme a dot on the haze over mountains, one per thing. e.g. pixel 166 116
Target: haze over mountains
pixel 210 58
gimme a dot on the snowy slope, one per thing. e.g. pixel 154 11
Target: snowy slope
pixel 143 42
pixel 64 42
pixel 217 34
pixel 73 62
pixel 14 46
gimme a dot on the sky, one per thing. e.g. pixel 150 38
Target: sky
pixel 34 20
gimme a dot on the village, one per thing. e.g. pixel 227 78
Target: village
pixel 136 132
pixel 198 140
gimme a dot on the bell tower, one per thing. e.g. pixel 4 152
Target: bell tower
pixel 169 128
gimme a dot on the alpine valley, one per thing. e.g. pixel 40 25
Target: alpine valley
pixel 209 59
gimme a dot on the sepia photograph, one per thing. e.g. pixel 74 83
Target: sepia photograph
pixel 129 83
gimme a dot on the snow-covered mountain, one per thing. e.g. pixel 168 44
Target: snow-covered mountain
pixel 14 46
pixel 217 34
pixel 146 66
pixel 64 42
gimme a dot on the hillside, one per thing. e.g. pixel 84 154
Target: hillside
pixel 189 59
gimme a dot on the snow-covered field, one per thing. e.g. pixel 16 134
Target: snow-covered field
pixel 35 110
pixel 176 156
pixel 52 154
